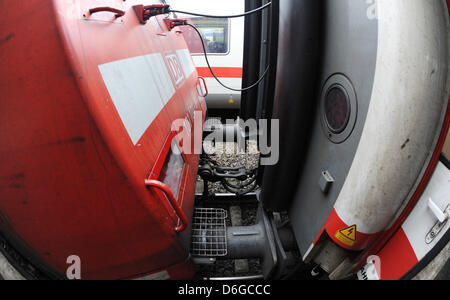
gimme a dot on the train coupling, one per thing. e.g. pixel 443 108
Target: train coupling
pixel 213 240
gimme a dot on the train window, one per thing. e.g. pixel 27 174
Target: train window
pixel 215 33
pixel 172 171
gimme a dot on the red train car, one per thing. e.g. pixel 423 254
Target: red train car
pixel 89 95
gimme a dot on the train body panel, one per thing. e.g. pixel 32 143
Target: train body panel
pixel 77 109
pixel 308 148
pixel 418 236
pixel 405 119
pixel 376 132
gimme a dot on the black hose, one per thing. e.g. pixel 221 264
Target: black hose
pixel 214 75
pixel 223 17
pixel 245 189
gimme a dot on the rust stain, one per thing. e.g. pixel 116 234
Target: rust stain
pixel 405 144
pixel 7 38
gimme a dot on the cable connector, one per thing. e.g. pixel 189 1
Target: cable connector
pixel 144 13
pixel 172 23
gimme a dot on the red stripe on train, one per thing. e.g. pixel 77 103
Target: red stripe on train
pixel 225 72
pixel 397 257
pixel 334 224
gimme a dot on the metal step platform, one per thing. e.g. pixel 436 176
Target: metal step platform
pixel 209 233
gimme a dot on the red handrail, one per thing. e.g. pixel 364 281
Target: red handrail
pixel 204 84
pixel 173 202
pixel 119 13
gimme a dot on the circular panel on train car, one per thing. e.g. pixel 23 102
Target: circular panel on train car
pixel 339 108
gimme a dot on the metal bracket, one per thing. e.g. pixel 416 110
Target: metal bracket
pixel 442 216
pixel 144 13
pixel 437 228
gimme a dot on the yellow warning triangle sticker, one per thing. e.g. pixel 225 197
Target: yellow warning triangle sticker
pixel 347 235
pixel 349 232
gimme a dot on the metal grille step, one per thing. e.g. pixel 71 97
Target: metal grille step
pixel 209 232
